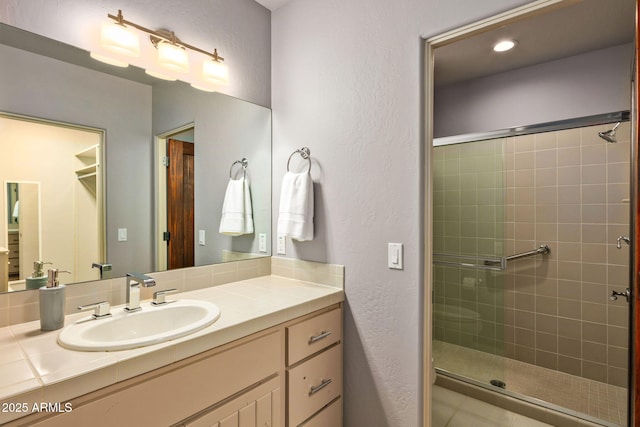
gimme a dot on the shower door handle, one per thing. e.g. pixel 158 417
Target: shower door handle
pixel 615 294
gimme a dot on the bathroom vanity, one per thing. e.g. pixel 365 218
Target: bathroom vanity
pixel 273 358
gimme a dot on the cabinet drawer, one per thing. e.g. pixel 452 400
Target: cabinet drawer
pixel 312 335
pixel 329 416
pixel 314 384
pixel 14 238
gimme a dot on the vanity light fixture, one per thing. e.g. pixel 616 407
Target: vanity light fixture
pixel 117 37
pixel 173 57
pixel 108 60
pixel 504 45
pixel 172 53
pixel 214 71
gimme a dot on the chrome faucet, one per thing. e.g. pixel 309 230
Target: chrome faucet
pixel 134 280
pixel 104 268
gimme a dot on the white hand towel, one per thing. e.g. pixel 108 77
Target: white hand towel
pixel 296 206
pixel 237 212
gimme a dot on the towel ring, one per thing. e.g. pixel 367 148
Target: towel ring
pixel 244 162
pixel 305 153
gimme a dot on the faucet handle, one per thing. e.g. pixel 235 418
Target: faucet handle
pixel 159 297
pixel 622 239
pixel 101 309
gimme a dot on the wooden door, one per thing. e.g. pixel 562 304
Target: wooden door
pixel 180 204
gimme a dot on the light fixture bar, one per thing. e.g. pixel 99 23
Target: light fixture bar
pixel 119 18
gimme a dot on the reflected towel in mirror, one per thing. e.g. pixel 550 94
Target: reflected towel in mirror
pixel 16 210
pixel 295 217
pixel 237 212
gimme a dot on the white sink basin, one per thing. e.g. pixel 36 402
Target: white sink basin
pixel 151 325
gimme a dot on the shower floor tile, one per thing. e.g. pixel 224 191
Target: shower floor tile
pixel 451 409
pixel 599 400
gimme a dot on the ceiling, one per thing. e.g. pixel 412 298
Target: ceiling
pixel 273 4
pixel 579 28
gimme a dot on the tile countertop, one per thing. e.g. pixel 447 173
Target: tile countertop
pixel 35 369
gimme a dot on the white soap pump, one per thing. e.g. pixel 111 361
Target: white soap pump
pixel 52 302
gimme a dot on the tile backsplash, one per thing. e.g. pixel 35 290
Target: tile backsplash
pixel 20 307
pixel 309 271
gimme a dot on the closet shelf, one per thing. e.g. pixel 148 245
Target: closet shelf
pixel 87 171
pixel 89 153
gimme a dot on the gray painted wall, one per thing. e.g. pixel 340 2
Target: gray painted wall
pixel 346 83
pixel 239 29
pixel 226 129
pixel 583 85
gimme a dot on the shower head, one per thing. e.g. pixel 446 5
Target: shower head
pixel 609 135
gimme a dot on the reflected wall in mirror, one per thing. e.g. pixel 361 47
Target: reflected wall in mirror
pixel 57 82
pixel 222 130
pixel 54 196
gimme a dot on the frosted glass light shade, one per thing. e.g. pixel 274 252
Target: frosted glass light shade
pixel 173 57
pixel 215 72
pixel 160 75
pixel 120 39
pixel 108 60
pixel 202 87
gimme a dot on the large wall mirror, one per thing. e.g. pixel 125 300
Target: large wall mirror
pixel 131 120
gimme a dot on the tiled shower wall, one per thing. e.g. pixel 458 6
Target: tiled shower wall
pixel 566 189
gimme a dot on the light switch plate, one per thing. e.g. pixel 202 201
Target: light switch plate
pixel 262 242
pixel 122 234
pixel 201 235
pixel 395 256
pixel 281 246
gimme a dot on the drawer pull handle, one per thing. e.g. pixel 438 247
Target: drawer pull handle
pixel 322 335
pixel 317 388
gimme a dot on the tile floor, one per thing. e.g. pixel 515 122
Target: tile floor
pixel 451 409
pixel 599 400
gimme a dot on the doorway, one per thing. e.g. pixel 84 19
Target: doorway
pixel 476 324
pixel 175 178
pixel 180 204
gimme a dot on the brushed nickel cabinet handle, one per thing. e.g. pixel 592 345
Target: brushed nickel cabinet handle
pixel 320 336
pixel 317 388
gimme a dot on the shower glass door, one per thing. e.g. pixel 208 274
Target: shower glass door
pixel 469 233
pixel 543 329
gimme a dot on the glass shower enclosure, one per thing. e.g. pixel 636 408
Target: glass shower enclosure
pixel 529 244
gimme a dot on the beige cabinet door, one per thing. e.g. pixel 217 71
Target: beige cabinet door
pixel 258 407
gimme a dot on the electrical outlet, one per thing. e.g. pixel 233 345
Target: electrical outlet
pixel 262 242
pixel 281 249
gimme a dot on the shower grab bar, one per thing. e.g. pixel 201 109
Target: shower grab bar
pixel 542 250
pixel 484 264
pixel 488 263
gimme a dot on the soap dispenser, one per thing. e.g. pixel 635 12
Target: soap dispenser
pixel 37 279
pixel 52 302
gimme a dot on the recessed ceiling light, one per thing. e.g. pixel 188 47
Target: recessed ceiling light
pixel 504 45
